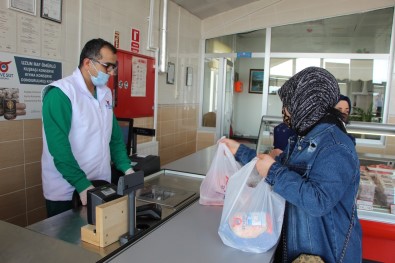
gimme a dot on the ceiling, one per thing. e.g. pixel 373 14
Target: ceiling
pixel 206 8
pixel 373 24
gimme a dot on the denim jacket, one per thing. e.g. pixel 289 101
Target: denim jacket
pixel 318 175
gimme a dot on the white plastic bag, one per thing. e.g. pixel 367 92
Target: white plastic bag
pixel 223 166
pixel 253 214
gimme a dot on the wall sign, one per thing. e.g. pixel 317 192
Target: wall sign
pixel 139 77
pixel 244 54
pixel 189 76
pixel 171 72
pixel 21 82
pixel 116 39
pixel 135 41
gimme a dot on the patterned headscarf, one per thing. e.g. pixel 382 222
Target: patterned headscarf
pixel 308 96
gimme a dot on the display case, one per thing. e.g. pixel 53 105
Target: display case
pixel 375 199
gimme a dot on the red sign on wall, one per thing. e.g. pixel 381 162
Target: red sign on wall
pixel 135 41
pixel 116 39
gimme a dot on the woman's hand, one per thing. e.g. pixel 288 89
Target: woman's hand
pixel 232 145
pixel 264 163
pixel 275 152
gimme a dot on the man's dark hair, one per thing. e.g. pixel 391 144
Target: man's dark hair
pixel 92 49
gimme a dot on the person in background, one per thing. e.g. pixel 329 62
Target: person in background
pixel 281 134
pixel 379 104
pixel 344 106
pixel 80 133
pixel 318 175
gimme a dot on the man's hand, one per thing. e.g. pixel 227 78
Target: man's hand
pixel 83 195
pixel 129 171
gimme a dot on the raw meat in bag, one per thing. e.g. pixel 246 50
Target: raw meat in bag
pixel 223 166
pixel 253 214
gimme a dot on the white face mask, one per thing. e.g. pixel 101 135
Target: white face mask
pixel 101 79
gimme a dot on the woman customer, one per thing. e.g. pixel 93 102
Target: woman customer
pixel 318 174
pixel 344 105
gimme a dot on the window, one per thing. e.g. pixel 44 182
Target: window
pixel 209 106
pixel 358 33
pixel 362 80
pixel 354 48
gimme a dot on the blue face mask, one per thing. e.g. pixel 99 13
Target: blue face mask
pixel 101 79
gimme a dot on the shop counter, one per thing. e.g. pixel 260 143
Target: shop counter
pixel 196 163
pixel 19 244
pixel 191 236
pixel 188 233
pixel 67 225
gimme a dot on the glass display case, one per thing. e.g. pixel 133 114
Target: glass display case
pixel 375 200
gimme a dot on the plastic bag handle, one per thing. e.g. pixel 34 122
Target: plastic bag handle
pixel 228 154
pixel 250 167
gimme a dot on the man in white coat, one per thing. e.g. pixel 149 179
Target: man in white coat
pixel 81 135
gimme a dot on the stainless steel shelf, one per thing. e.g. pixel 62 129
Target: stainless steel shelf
pixel 370 128
pixel 355 127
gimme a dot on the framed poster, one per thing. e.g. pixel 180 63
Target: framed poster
pixel 189 76
pixel 52 10
pixel 24 6
pixel 256 81
pixel 171 68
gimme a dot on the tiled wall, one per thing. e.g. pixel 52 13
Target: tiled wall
pixel 21 198
pixel 147 122
pixel 176 134
pixel 204 139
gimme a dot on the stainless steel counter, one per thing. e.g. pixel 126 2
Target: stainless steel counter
pixel 186 233
pixel 18 244
pixel 191 236
pixel 196 163
pixel 67 225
